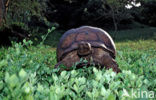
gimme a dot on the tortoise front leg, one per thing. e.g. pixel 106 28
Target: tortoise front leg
pixel 66 64
pixel 69 60
pixel 109 62
pixel 58 64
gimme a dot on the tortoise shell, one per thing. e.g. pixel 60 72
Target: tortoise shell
pixel 97 37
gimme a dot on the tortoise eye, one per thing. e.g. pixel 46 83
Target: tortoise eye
pixel 87 45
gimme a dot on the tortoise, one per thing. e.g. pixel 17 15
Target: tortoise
pixel 87 42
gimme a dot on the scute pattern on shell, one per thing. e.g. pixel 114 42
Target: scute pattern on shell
pixel 97 37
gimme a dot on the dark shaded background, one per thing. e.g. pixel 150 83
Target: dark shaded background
pixel 31 19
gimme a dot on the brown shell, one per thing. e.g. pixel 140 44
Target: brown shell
pixel 97 37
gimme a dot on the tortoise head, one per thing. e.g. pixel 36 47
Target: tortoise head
pixel 84 49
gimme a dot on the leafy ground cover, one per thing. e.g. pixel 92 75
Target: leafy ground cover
pixel 27 73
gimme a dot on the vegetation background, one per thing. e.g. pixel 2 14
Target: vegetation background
pixel 30 31
pixel 31 18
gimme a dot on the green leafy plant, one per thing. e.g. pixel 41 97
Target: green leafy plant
pixel 45 36
pixel 27 74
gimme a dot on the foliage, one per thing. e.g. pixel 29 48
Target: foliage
pixel 24 19
pixel 75 13
pixel 146 12
pixel 27 74
pixel 23 10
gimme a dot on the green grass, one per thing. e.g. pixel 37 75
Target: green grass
pixel 27 73
pixel 135 34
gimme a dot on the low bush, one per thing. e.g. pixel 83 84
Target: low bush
pixel 27 73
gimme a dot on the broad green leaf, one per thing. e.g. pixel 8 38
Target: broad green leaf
pixel 1 84
pixel 63 73
pixel 3 63
pixel 13 81
pixel 111 97
pixel 22 74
